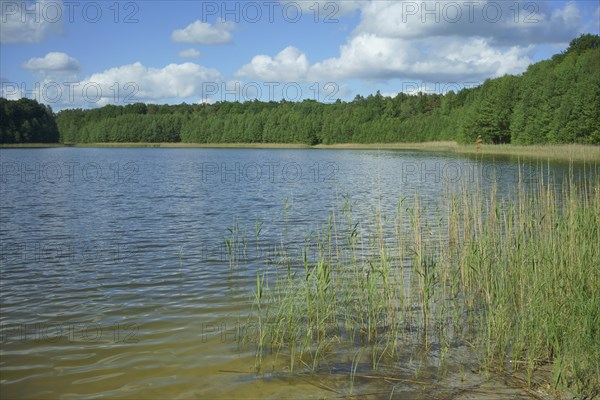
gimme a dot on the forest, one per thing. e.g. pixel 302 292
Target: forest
pixel 27 121
pixel 554 101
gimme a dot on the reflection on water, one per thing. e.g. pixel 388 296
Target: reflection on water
pixel 115 264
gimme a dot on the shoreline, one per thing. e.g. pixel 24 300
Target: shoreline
pixel 565 152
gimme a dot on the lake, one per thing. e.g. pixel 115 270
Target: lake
pixel 130 273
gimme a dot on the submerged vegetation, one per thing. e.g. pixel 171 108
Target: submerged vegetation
pixel 554 101
pixel 514 278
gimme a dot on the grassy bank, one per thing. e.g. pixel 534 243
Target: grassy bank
pixel 164 145
pixel 566 152
pixel 515 277
pixel 575 152
pixel 30 145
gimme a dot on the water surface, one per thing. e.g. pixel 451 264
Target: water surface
pixel 115 276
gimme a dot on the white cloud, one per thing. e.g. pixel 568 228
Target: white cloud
pixel 289 65
pixel 190 53
pixel 479 56
pixel 172 81
pixel 367 57
pixel 204 33
pixel 122 85
pixel 433 41
pixel 375 58
pixel 206 101
pixel 10 90
pixel 501 23
pixel 54 61
pixel 390 94
pixel 42 19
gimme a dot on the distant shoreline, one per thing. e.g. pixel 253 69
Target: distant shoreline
pixel 575 152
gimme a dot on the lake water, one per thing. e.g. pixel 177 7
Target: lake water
pixel 115 276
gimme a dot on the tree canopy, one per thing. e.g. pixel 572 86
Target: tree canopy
pixel 26 121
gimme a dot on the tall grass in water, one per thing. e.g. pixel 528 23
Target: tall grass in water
pixel 516 275
pixel 537 274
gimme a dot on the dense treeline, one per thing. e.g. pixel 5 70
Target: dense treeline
pixel 25 120
pixel 554 101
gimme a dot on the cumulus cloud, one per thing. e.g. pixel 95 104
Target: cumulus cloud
pixel 501 23
pixel 10 90
pixel 289 65
pixel 435 41
pixel 190 53
pixel 122 85
pixel 172 81
pixel 371 57
pixel 23 22
pixel 367 57
pixel 199 32
pixel 54 61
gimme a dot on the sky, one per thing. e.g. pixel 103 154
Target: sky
pixel 86 54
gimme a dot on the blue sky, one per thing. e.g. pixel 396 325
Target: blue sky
pixel 91 53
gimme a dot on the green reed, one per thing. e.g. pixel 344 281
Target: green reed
pixel 515 275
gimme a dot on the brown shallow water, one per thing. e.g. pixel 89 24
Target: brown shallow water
pixel 188 370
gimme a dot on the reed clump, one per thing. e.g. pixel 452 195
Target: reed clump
pixel 515 276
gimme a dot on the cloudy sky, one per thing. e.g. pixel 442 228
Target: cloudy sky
pixel 90 53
